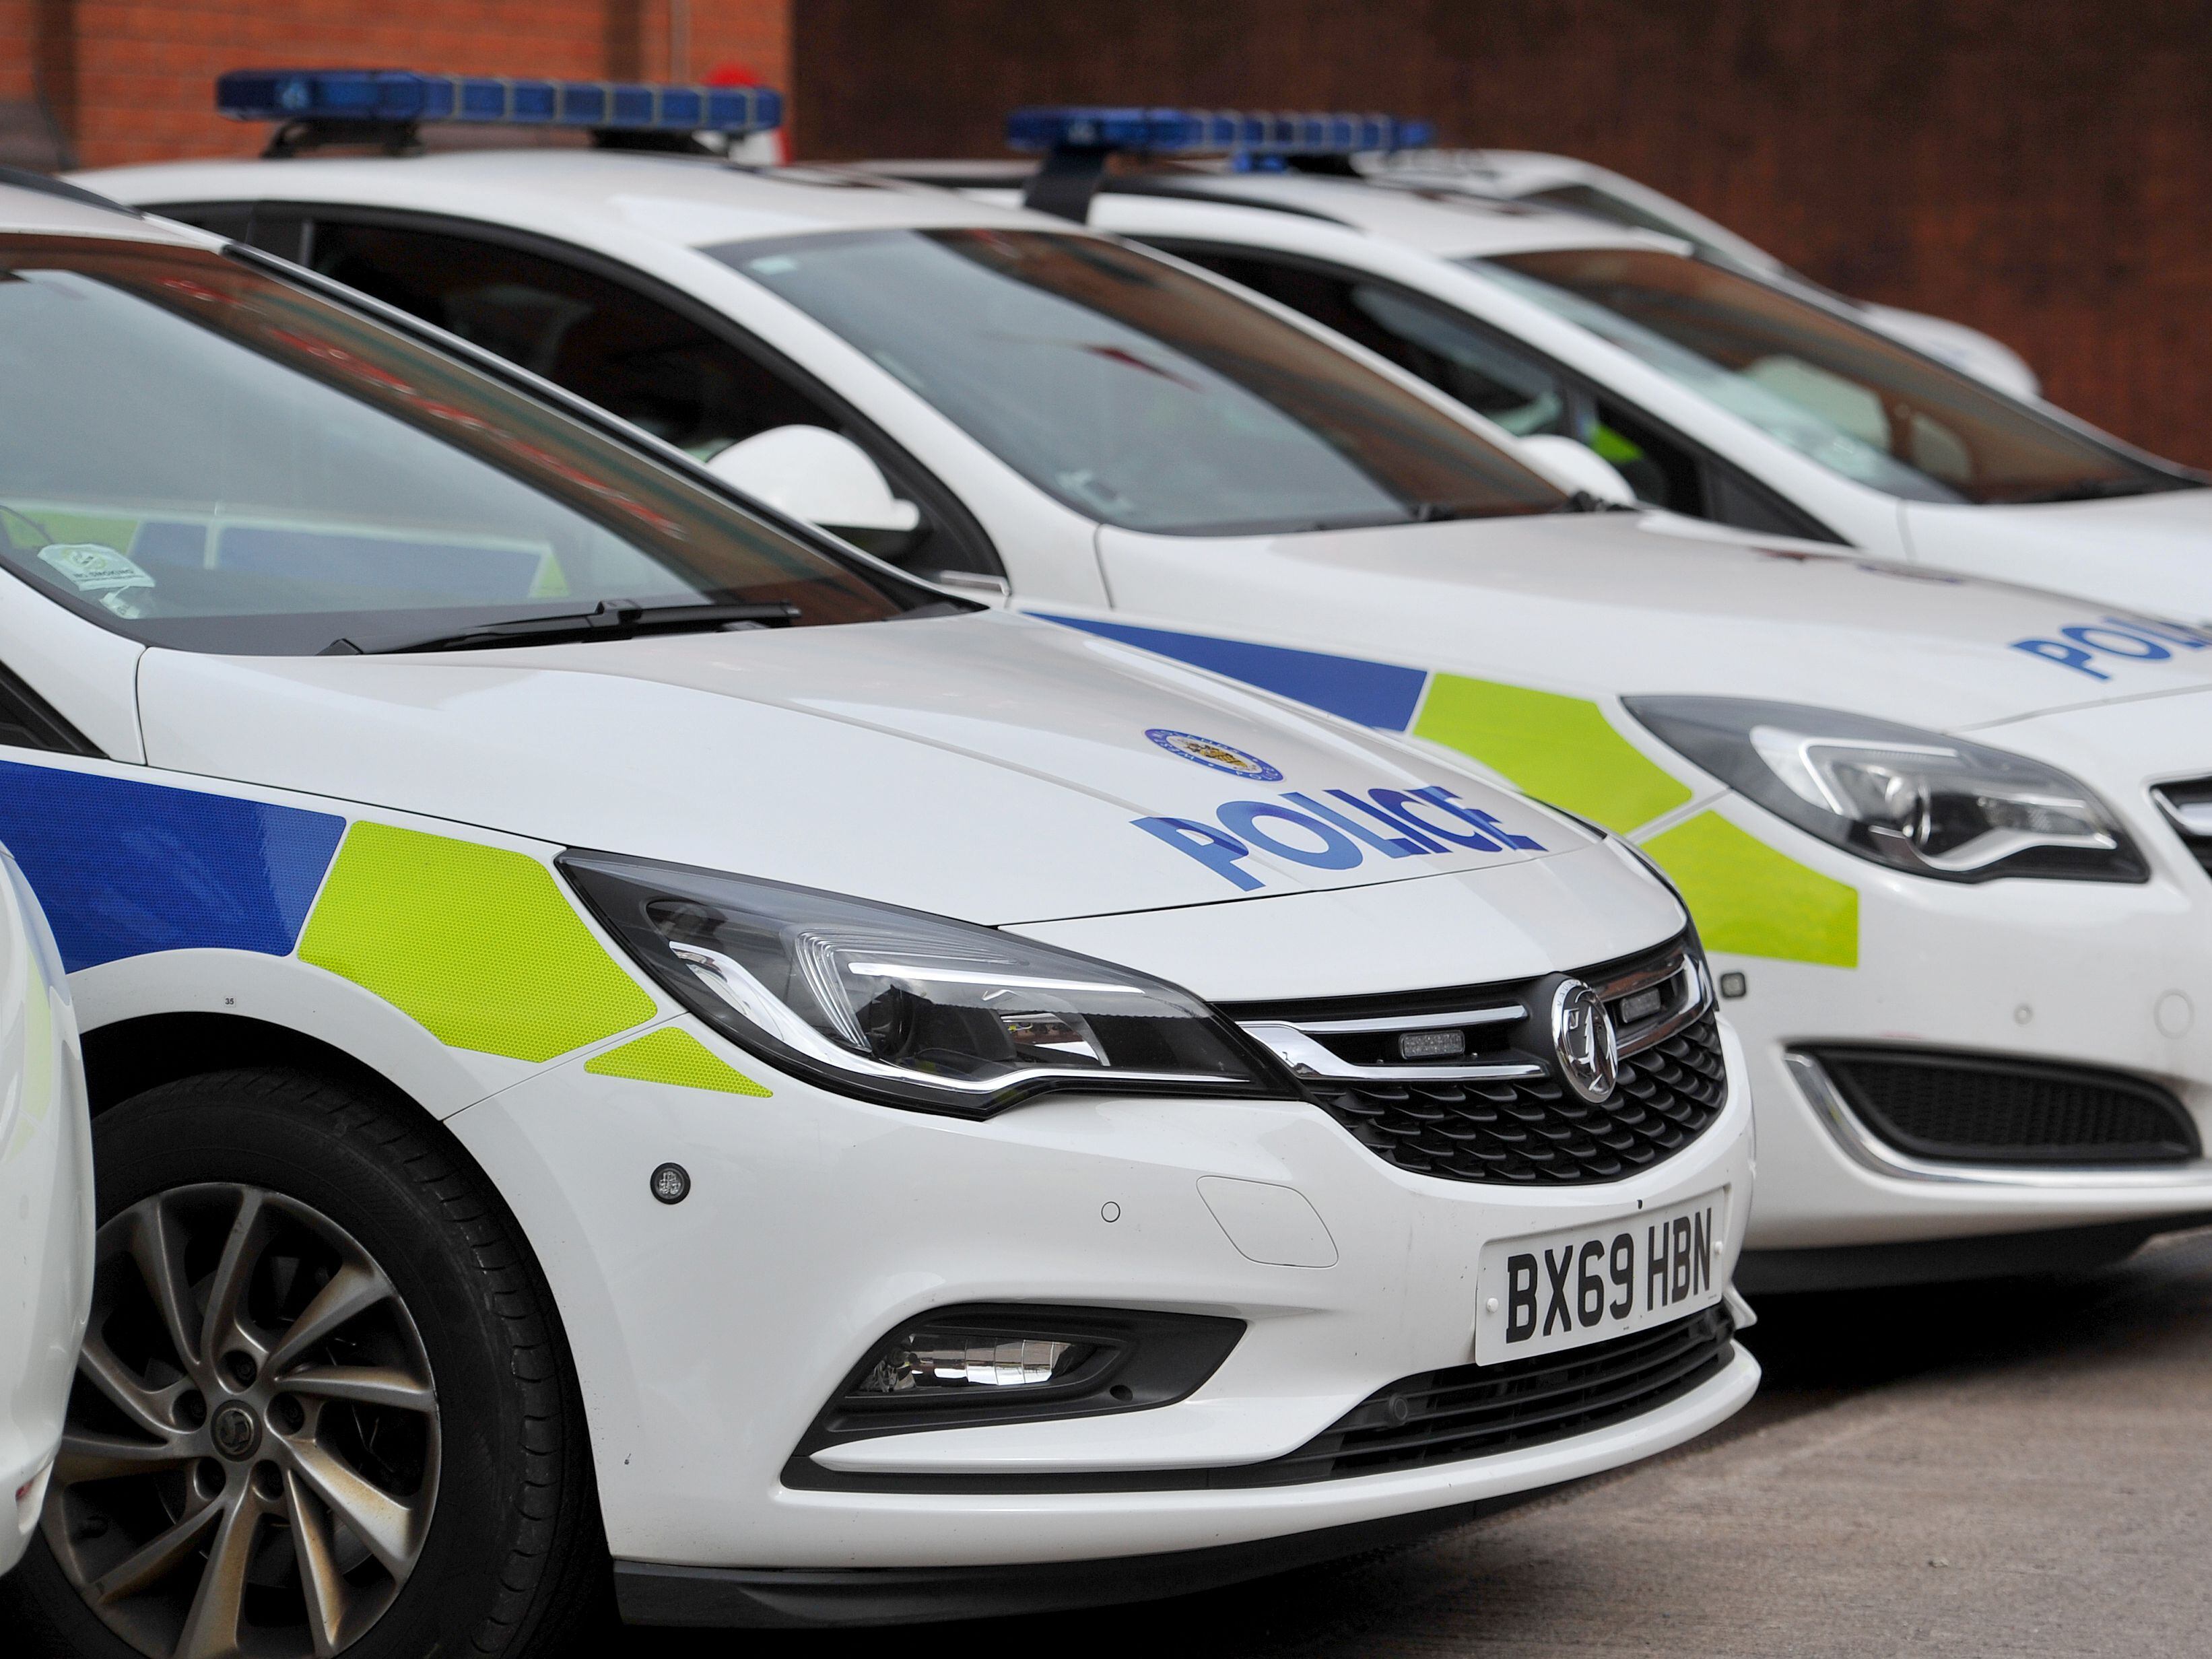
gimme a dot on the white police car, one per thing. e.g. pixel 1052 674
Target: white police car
pixel 1564 183
pixel 46 1208
pixel 1717 394
pixel 1942 836
pixel 612 1017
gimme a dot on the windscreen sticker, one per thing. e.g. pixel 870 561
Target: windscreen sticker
pixel 2095 648
pixel 92 568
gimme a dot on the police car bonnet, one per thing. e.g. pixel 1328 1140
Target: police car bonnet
pixel 987 766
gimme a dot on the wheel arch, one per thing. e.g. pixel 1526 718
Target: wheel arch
pixel 129 1056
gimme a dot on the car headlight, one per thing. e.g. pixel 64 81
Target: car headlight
pixel 906 1008
pixel 1919 800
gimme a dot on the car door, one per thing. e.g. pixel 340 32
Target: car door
pixel 1509 383
pixel 682 373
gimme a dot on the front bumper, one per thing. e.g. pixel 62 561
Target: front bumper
pixel 707 1334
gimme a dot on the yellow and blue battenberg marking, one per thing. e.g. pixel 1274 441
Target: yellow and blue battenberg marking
pixel 124 868
pixel 1749 898
pixel 478 945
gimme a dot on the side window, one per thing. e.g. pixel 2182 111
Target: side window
pixel 1658 469
pixel 1491 374
pixel 1516 391
pixel 654 367
pixel 27 721
pixel 600 340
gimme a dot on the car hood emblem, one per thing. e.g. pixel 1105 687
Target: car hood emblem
pixel 1583 1035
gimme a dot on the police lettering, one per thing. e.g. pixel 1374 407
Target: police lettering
pixel 1338 832
pixel 2125 639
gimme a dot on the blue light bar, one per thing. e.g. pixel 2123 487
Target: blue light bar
pixel 1218 131
pixel 402 97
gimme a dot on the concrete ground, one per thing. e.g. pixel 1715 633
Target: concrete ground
pixel 2023 1469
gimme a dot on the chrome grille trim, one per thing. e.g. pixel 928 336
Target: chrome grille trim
pixel 1409 1022
pixel 1635 1039
pixel 1502 1111
pixel 1307 1058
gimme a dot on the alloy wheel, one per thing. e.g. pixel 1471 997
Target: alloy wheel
pixel 251 1459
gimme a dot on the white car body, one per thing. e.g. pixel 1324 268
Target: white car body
pixel 978 765
pixel 46 1207
pixel 1575 186
pixel 1553 622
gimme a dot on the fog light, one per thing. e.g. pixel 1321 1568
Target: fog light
pixel 949 1361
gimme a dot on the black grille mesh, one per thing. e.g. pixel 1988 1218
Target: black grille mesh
pixel 1467 1411
pixel 1980 1110
pixel 1539 1132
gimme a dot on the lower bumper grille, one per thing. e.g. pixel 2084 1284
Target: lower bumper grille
pixel 1971 1109
pixel 1469 1410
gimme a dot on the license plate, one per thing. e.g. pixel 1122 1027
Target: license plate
pixel 1549 1291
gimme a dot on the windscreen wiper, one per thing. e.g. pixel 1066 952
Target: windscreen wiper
pixel 610 619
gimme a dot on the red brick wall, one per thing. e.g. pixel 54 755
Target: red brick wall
pixel 134 80
pixel 2039 168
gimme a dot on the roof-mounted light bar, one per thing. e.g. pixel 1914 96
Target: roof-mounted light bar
pixel 386 107
pixel 1077 140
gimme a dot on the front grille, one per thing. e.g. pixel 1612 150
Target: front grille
pixel 1501 1111
pixel 1971 1109
pixel 1470 1411
pixel 2188 808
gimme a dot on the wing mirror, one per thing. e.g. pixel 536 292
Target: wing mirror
pixel 825 478
pixel 1576 466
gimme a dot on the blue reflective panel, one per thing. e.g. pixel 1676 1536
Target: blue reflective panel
pixel 124 868
pixel 1378 693
pixel 406 96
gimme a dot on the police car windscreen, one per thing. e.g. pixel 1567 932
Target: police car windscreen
pixel 1854 400
pixel 203 455
pixel 1136 394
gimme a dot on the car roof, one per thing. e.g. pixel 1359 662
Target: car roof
pixel 591 194
pixel 45 212
pixel 1430 216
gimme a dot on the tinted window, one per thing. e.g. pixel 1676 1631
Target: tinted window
pixel 1513 389
pixel 601 340
pixel 1511 386
pixel 625 351
pixel 1135 393
pixel 1854 400
pixel 198 454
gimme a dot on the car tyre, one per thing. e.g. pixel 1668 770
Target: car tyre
pixel 325 1405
